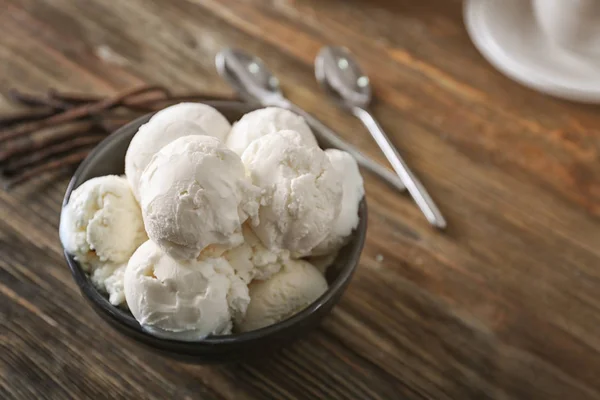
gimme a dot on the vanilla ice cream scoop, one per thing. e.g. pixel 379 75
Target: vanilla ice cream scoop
pixel 261 122
pixel 186 300
pixel 209 119
pixel 353 192
pixel 251 260
pixel 149 139
pixel 102 222
pixel 108 278
pixel 195 193
pixel 286 293
pixel 302 192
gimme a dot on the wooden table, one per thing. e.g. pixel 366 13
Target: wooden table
pixel 505 304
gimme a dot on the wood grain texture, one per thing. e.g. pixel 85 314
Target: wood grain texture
pixel 504 305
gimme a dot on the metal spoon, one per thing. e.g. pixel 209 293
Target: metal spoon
pixel 340 76
pixel 251 78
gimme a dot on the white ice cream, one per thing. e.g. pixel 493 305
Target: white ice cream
pixel 289 291
pixel 102 222
pixel 302 192
pixel 149 139
pixel 261 122
pixel 183 300
pixel 353 192
pixel 108 278
pixel 323 262
pixel 195 193
pixel 251 260
pixel 209 119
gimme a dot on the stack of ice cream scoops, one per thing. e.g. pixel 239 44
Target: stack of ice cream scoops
pixel 210 229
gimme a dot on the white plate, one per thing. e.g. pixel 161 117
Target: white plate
pixel 509 37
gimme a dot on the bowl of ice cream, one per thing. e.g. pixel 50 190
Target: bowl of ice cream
pixel 190 254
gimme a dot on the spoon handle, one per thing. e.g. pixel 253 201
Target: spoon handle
pixel 414 186
pixel 326 135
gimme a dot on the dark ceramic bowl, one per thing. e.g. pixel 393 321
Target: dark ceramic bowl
pixel 108 158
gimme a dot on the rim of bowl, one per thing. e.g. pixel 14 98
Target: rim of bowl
pixel 124 317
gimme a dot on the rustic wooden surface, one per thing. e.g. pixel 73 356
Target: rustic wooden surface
pixel 505 304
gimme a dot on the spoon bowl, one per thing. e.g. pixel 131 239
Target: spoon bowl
pixel 248 75
pixel 341 77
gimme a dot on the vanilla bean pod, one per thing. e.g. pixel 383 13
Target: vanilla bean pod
pixel 137 103
pixel 80 98
pixel 25 116
pixel 74 113
pixel 130 101
pixel 68 161
pixel 32 143
pixel 73 98
pixel 32 100
pixel 51 151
